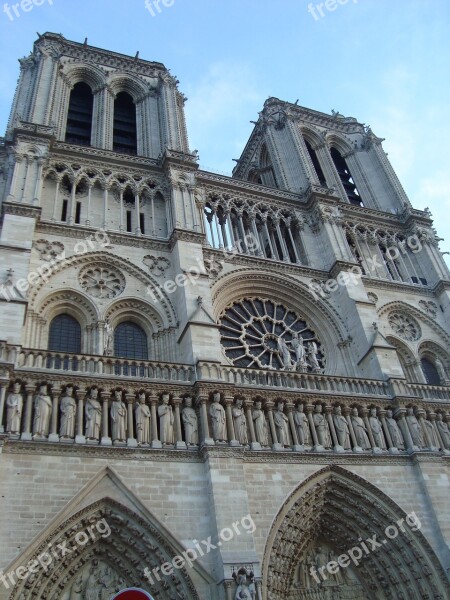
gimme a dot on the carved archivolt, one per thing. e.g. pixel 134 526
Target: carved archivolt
pixel 133 544
pixel 341 507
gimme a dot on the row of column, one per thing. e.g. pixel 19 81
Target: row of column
pixel 252 236
pixel 116 417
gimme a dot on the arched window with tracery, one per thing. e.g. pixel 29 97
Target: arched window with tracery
pixel 130 341
pixel 430 371
pixel 124 131
pixel 79 116
pixel 346 177
pixel 65 334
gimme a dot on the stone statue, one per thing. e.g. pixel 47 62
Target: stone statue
pixel 190 422
pixel 342 429
pixel 282 425
pixel 93 586
pixel 394 431
pixel 414 428
pixel 119 418
pixel 432 436
pixel 441 371
pixel 166 420
pixel 322 429
pixel 300 351
pixel 218 419
pixel 142 415
pixel 259 420
pixel 444 431
pixel 240 423
pixel 14 406
pixel 42 413
pixel 77 589
pixel 302 426
pixel 285 355
pixel 109 339
pixel 377 429
pixel 93 412
pixel 312 355
pixel 68 414
pixel 362 439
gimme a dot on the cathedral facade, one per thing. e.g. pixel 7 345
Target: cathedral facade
pixel 213 387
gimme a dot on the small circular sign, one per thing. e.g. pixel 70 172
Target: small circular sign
pixel 132 594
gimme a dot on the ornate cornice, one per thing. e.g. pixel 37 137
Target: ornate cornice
pixel 21 210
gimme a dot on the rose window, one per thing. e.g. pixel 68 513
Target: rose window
pixel 102 281
pixel 404 326
pixel 264 334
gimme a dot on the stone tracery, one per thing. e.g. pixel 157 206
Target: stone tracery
pixel 261 333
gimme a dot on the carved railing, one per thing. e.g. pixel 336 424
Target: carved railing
pixel 84 364
pixel 429 392
pixel 291 380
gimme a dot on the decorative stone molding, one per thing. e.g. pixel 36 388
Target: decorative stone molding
pixel 48 250
pixel 157 265
pixel 404 326
pixel 100 280
pixel 429 307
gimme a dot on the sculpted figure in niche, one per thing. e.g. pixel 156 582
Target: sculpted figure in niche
pixel 119 418
pixel 444 431
pixel 259 420
pixel 240 423
pixel 281 423
pixel 432 436
pixel 285 355
pixel 68 413
pixel 342 429
pixel 300 351
pixel 142 415
pixel 190 422
pixel 218 419
pixel 93 586
pixel 394 431
pixel 362 439
pixel 321 425
pixel 166 421
pixel 14 407
pixel 441 371
pixel 377 429
pixel 312 356
pixel 414 428
pixel 42 413
pixel 93 412
pixel 302 426
pixel 109 339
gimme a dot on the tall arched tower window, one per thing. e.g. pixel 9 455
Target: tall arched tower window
pixel 315 161
pixel 346 177
pixel 65 335
pixel 130 341
pixel 79 116
pixel 124 132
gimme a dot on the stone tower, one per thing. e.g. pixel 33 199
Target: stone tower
pixel 213 387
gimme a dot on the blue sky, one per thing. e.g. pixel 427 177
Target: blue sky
pixel 385 62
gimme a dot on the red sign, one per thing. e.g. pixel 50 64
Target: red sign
pixel 132 594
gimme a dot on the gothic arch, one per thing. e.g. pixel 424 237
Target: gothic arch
pixel 325 321
pixel 344 508
pixel 133 85
pixel 167 310
pixel 417 313
pixel 137 540
pixel 311 135
pixel 408 359
pixel 339 142
pixel 93 76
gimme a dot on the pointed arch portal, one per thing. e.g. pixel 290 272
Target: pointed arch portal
pixel 124 546
pixel 331 513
